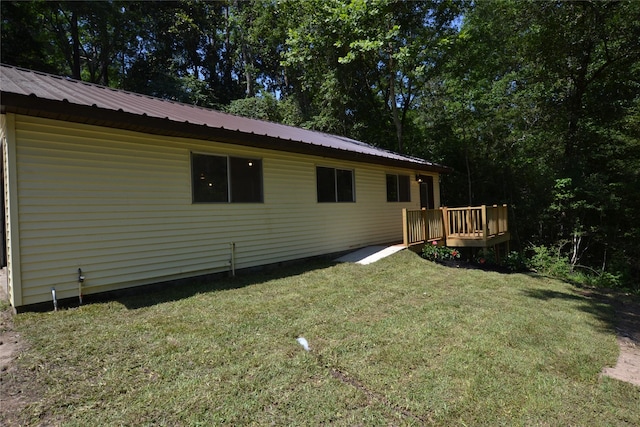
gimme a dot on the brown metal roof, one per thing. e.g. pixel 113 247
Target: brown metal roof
pixel 44 95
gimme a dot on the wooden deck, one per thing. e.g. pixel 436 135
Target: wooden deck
pixel 473 226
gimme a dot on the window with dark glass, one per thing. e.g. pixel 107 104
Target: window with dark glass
pixel 225 179
pixel 334 185
pixel 398 188
pixel 246 180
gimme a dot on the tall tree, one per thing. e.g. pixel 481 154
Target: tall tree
pixel 370 57
pixel 538 102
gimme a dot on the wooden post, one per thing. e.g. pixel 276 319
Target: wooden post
pixel 445 223
pixel 505 214
pixel 425 226
pixel 405 231
pixel 485 225
pixel 498 214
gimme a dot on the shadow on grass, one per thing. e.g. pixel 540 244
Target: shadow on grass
pixel 468 265
pixel 546 294
pixel 602 306
pixel 175 290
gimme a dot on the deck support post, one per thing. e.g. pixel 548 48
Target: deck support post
pixel 445 223
pixel 485 224
pixel 405 230
pixel 425 226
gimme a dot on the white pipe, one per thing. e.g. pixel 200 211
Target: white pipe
pixel 233 259
pixel 80 281
pixel 55 300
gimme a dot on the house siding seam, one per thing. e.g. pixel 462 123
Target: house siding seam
pixel 117 204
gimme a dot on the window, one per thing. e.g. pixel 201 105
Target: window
pixel 334 185
pixel 398 188
pixel 226 179
pixel 246 180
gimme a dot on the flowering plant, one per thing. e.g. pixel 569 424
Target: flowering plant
pixel 434 252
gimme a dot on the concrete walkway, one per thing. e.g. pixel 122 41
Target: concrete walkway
pixel 370 254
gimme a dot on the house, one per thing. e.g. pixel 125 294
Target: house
pixel 106 189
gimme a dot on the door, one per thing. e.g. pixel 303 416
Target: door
pixel 426 192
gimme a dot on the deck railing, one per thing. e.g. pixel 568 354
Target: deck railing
pixel 497 220
pixel 476 225
pixel 422 225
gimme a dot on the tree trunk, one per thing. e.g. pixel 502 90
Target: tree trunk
pixel 227 77
pixel 75 68
pixel 392 100
pixel 574 106
pixel 247 71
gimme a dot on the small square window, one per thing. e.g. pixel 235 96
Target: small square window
pixel 210 183
pixel 344 185
pixel 246 180
pixel 326 184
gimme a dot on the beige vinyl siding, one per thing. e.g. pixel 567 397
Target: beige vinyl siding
pixel 118 205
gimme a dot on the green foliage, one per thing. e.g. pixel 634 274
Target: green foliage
pixel 532 109
pixel 601 280
pixel 263 108
pixel 549 262
pixel 515 261
pixel 267 107
pixel 434 252
pixel 364 63
pixel 486 256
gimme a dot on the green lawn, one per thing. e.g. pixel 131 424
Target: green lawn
pixel 399 342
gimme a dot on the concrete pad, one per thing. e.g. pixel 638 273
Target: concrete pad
pixel 370 254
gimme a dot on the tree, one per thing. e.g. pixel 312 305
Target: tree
pixel 361 62
pixel 538 99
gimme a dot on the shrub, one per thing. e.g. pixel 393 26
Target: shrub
pixel 486 256
pixel 515 261
pixel 434 252
pixel 604 280
pixel 546 261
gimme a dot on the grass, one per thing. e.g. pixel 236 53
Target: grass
pixel 399 342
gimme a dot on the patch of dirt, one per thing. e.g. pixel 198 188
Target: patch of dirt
pixel 10 343
pixel 11 398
